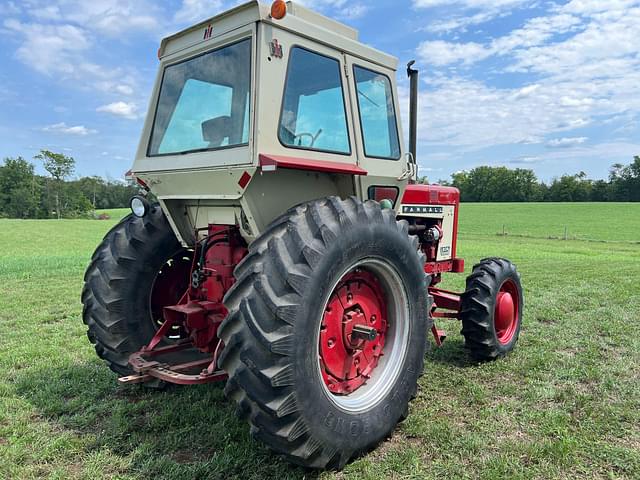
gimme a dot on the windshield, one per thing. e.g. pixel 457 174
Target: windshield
pixel 204 103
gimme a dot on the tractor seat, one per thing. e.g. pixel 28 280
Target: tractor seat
pixel 214 131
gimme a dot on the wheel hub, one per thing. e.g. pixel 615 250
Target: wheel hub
pixel 506 312
pixel 353 332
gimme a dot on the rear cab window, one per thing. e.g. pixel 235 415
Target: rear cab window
pixel 204 103
pixel 377 114
pixel 314 113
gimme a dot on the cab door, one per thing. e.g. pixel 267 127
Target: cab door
pixel 378 132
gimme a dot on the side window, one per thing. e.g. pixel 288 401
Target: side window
pixel 313 112
pixel 377 114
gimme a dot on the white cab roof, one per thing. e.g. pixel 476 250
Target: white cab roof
pixel 299 20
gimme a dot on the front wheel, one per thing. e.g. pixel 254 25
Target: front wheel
pixel 492 308
pixel 325 337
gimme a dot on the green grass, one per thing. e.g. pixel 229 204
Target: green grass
pixel 116 213
pixel 566 404
pixel 617 222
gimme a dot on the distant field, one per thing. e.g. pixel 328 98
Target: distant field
pixel 588 221
pixel 565 405
pixel 115 213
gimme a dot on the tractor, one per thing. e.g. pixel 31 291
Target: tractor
pixel 288 249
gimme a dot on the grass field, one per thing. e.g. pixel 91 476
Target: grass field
pixel 566 404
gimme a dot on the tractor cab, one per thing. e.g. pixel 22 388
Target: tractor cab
pixel 248 109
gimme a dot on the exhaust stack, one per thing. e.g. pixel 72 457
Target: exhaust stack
pixel 413 110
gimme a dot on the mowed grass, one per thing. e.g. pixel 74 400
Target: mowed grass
pixel 617 222
pixel 565 404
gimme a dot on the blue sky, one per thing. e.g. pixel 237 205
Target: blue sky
pixel 551 86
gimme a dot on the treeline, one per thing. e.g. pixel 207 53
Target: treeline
pixel 500 184
pixel 24 194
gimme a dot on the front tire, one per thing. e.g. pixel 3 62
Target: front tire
pixel 276 337
pixel 492 308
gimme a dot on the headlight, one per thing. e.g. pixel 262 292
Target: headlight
pixel 139 206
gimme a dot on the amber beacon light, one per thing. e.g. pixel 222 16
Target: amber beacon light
pixel 279 9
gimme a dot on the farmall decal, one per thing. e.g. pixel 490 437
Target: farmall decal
pixel 208 33
pixel 276 49
pixel 423 210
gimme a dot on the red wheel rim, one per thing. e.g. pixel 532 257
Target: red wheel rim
pixel 169 286
pixel 507 312
pixel 347 359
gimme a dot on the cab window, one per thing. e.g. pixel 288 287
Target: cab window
pixel 377 114
pixel 204 103
pixel 313 112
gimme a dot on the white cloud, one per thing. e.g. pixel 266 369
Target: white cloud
pixel 109 17
pixel 441 53
pixel 352 12
pixel 467 3
pixel 584 57
pixel 9 8
pixel 535 32
pixel 61 51
pixel 566 142
pixel 49 49
pixel 79 130
pixel 483 11
pixel 120 109
pixel 461 22
pixel 342 9
pixel 192 11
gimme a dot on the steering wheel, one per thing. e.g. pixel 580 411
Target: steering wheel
pixel 298 138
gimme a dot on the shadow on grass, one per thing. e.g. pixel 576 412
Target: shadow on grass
pixel 181 432
pixel 452 352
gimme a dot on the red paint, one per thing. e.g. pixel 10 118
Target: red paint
pixel 198 314
pixel 244 180
pixel 384 193
pixel 433 268
pixel 346 362
pixel 458 265
pixel 142 183
pixel 507 312
pixel 436 195
pixel 296 163
pixel 439 335
pixel 208 33
pixel 149 365
pixel 444 299
pixel 431 195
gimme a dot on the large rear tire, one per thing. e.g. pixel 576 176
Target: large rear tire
pixel 492 308
pixel 138 268
pixel 280 310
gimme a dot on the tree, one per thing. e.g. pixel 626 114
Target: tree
pixel 59 167
pixel 19 189
pixel 571 188
pixel 625 181
pixel 497 184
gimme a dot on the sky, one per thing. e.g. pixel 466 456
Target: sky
pixel 549 86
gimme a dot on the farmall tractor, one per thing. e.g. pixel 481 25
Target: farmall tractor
pixel 290 251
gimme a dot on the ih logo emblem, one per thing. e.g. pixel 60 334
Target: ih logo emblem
pixel 208 33
pixel 276 49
